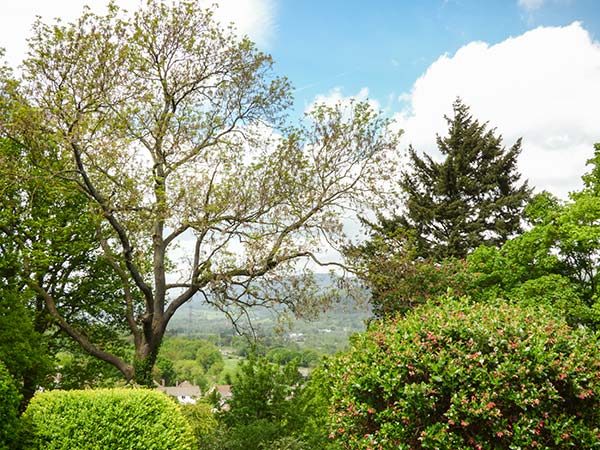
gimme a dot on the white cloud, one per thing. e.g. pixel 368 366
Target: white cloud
pixel 543 85
pixel 335 96
pixel 17 18
pixel 530 5
pixel 256 18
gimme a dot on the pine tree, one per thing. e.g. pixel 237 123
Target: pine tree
pixel 472 197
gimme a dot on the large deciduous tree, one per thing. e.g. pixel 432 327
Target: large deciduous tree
pixel 166 124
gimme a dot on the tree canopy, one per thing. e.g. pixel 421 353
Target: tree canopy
pixel 46 234
pixel 471 197
pixel 556 261
pixel 171 130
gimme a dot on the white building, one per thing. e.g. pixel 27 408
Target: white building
pixel 185 392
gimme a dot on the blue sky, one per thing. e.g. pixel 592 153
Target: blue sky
pixel 386 45
pixel 529 67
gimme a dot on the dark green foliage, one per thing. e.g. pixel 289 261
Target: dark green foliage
pixel 48 235
pixel 316 411
pixel 468 375
pixel 9 408
pixel 470 198
pixel 143 369
pixel 24 350
pixel 399 281
pixel 164 370
pixel 263 391
pixel 133 419
pixel 79 370
pixel 272 407
pixel 309 358
pixel 287 443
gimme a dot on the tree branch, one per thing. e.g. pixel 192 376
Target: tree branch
pixel 85 343
pixel 129 309
pixel 123 238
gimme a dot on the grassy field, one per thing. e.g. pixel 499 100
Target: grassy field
pixel 230 369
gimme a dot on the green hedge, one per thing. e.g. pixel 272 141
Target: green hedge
pixel 459 375
pixel 135 419
pixel 9 408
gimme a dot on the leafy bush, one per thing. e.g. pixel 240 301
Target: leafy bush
pixel 468 375
pixel 399 280
pixel 286 443
pixel 107 419
pixel 202 420
pixel 519 273
pixel 9 408
pixel 266 404
pixel 273 407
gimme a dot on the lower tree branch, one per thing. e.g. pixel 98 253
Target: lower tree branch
pixel 124 368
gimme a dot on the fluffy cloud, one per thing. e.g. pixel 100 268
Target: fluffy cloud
pixel 543 85
pixel 255 18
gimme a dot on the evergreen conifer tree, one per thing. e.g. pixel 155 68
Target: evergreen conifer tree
pixel 472 197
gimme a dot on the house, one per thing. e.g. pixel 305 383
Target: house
pixel 185 392
pixel 223 391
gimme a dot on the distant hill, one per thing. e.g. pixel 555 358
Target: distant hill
pixel 328 332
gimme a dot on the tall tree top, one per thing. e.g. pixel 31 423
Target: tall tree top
pixel 471 197
pixel 171 129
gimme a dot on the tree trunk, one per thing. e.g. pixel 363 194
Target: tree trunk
pixel 142 370
pixel 145 357
pixel 30 386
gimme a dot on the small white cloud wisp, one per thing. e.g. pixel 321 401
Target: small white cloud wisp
pixel 530 5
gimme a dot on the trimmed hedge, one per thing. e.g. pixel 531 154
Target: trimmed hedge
pixel 458 375
pixel 9 409
pixel 124 419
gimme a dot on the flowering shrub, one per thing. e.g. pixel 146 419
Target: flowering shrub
pixel 461 375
